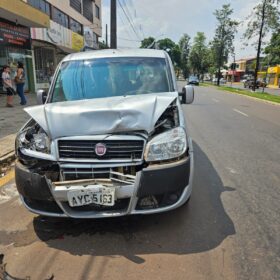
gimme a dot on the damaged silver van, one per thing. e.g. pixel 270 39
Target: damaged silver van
pixel 109 139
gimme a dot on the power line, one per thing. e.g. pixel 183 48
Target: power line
pixel 126 29
pixel 127 8
pixel 125 39
pixel 132 26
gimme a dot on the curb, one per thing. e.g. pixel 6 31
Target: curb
pixel 7 152
pixel 7 157
pixel 6 161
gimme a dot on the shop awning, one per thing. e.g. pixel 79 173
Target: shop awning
pixel 21 13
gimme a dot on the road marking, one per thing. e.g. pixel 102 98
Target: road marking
pixel 237 111
pixel 7 178
pixel 215 100
pixel 8 193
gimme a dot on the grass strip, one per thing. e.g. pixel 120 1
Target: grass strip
pixel 264 96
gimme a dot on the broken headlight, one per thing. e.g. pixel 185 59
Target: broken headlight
pixel 33 138
pixel 168 145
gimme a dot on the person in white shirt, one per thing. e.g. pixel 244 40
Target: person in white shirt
pixel 7 85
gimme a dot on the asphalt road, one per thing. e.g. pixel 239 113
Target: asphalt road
pixel 228 230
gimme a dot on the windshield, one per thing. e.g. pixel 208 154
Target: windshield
pixel 107 77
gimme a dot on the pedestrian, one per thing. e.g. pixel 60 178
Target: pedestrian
pixel 19 81
pixel 7 85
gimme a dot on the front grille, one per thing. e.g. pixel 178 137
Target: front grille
pixel 116 149
pixel 118 174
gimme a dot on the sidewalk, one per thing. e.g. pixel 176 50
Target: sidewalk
pixel 11 120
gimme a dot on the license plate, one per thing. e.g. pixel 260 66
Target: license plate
pixel 99 195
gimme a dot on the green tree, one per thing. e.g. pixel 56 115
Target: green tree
pixel 222 44
pixel 102 45
pixel 184 45
pixel 272 51
pixel 147 42
pixel 198 59
pixel 172 49
pixel 165 44
pixel 264 18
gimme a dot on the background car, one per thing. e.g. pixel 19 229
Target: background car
pixel 193 80
pixel 250 83
pixel 222 81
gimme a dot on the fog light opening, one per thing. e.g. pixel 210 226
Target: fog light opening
pixel 172 198
pixel 148 202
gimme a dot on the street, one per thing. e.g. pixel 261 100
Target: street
pixel 228 230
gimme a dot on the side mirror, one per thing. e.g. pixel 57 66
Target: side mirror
pixel 187 95
pixel 41 96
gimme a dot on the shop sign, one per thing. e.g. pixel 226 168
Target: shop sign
pixel 273 70
pixel 77 41
pixel 232 72
pixel 56 34
pixel 14 35
pixel 90 38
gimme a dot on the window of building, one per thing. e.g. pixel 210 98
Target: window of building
pixel 76 26
pixel 44 64
pixel 97 11
pixel 88 10
pixel 76 5
pixel 59 17
pixel 42 5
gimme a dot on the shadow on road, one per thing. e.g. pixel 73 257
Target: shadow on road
pixel 200 225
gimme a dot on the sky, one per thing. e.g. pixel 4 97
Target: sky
pixel 166 18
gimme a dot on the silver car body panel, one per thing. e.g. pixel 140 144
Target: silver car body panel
pixel 100 116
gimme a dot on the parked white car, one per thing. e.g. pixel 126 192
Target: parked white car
pixel 222 81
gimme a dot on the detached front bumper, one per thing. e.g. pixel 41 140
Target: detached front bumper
pixel 170 184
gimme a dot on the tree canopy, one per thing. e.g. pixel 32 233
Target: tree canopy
pixel 222 44
pixel 147 42
pixel 273 49
pixel 199 54
pixel 184 46
pixel 264 18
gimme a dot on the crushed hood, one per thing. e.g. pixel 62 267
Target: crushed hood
pixel 101 116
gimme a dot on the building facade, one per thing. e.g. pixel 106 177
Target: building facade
pixel 16 19
pixel 244 68
pixel 74 25
pixel 273 76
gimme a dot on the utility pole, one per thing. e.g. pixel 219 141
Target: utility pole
pixel 113 24
pixel 106 38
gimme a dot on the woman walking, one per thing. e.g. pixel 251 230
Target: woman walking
pixel 7 85
pixel 20 80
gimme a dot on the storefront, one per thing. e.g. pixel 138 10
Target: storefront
pixel 273 76
pixel 50 46
pixel 235 76
pixel 15 46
